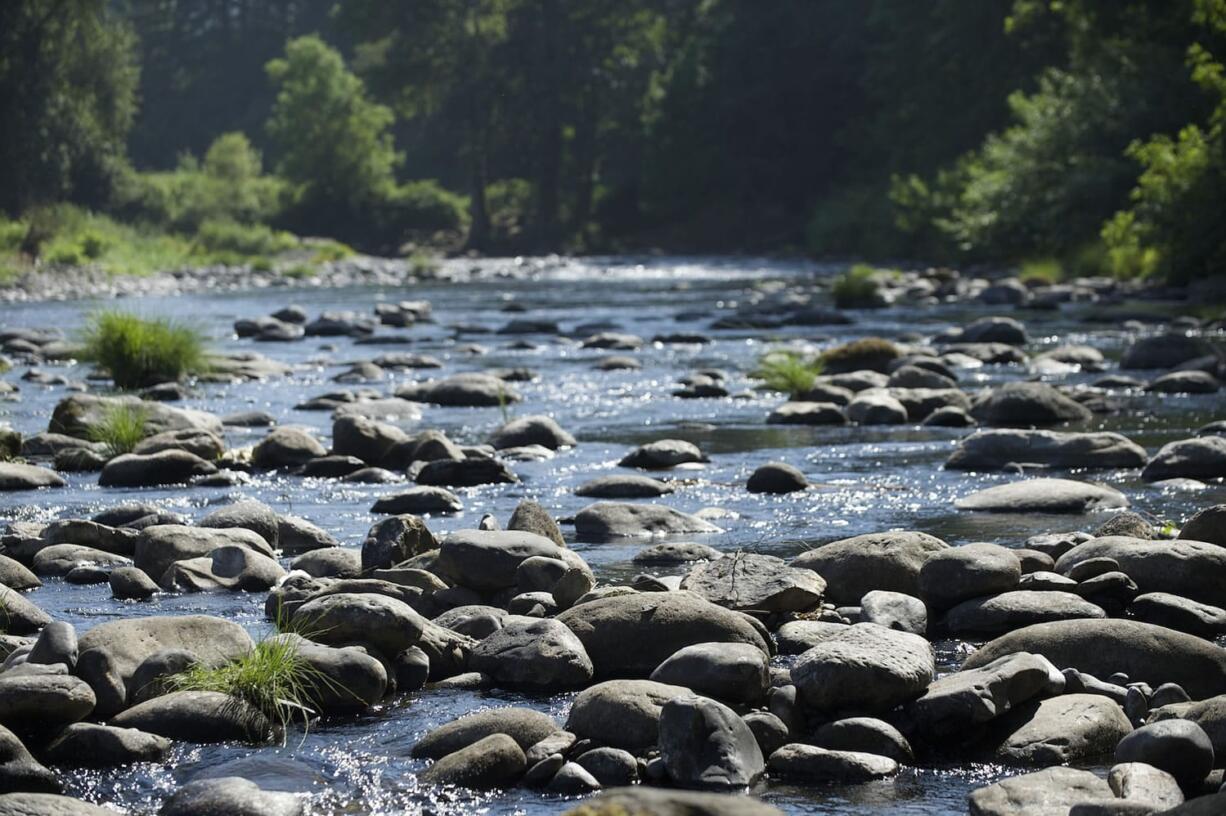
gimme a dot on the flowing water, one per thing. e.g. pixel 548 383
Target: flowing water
pixel 868 479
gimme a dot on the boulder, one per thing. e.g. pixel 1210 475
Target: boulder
pixel 1100 647
pixel 15 575
pixel 1162 351
pixel 1044 496
pixel 1049 792
pixel 956 574
pixel 531 430
pixel 17 476
pixel 1175 612
pixel 161 545
pixel 732 672
pixel 855 566
pixel 331 562
pixel 131 584
pixel 81 414
pixel 419 501
pixel 623 487
pixel 807 413
pixel 536 654
pixel 388 624
pixel 1189 569
pixel 776 477
pixel 1138 782
pixel 61 559
pixel 1208 525
pixel 231 795
pixel 1179 747
pixel 471 472
pixel 286 447
pixel 205 444
pixel 48 804
pixel 663 454
pixel 749 581
pixel 705 744
pixel 20 771
pixel 676 552
pixel 1185 382
pixel 1061 730
pixel 1003 449
pixel 395 539
pixel 488 560
pixel 876 408
pixel 622 713
pixel 864 668
pixel 341 679
pixel 668 802
pixel 1202 457
pixel 523 725
pixel 57 643
pixel 495 761
pixel 250 515
pixel 228 569
pixel 813 765
pixel 611 767
pixel 1029 404
pixel 659 624
pixel 166 467
pixel 471 389
pixel 866 735
pixel 997 614
pixel 197 717
pixel 530 517
pixel 29 701
pixel 604 520
pixel 894 610
pixel 364 438
pixel 91 745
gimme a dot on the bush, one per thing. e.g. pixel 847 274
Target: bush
pixel 227 240
pixel 509 203
pixel 138 352
pixel 858 288
pixel 872 353
pixel 1047 270
pixel 122 428
pixel 787 371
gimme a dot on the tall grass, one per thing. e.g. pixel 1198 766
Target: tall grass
pixel 787 371
pixel 122 428
pixel 139 352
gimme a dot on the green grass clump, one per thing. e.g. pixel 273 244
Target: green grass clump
pixel 1048 271
pixel 122 428
pixel 301 272
pixel 227 241
pixel 329 250
pixel 788 371
pixel 137 352
pixel 873 353
pixel 858 288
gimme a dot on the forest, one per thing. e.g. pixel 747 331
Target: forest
pixel 1064 136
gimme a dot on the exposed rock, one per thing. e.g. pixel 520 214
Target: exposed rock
pixel 30 700
pixel 748 581
pixel 461 390
pixel 866 735
pixel 198 717
pixel 1064 729
pixel 663 454
pixel 1029 404
pixel 623 487
pixel 855 566
pixel 1203 457
pixel 532 430
pixel 286 447
pixel 1044 496
pixel 612 520
pixel 894 610
pixel 395 539
pixel 419 500
pixel 1190 569
pixel 995 615
pixel 525 727
pixel 666 802
pixel 807 413
pixel 536 654
pixel 956 574
pixel 733 672
pixel 1002 449
pixel 705 744
pixel 233 796
pixel 388 624
pixel 20 771
pixel 1208 525
pixel 864 667
pixel 776 477
pixel 16 476
pixel 622 713
pixel 1049 792
pixel 90 745
pixel 810 764
pixel 1179 747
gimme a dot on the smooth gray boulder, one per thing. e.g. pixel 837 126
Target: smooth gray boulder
pixel 1208 525
pixel 461 390
pixel 1179 747
pixel 197 717
pixel 233 796
pixel 531 430
pixel 16 576
pixel 1049 792
pixel 1044 496
pixel 21 616
pixel 48 804
pixel 1028 405
pixel 1189 569
pixel 776 478
pixel 228 569
pixel 246 515
pixel 855 566
pixel 43 700
pixel 534 654
pixel 622 713
pixel 388 624
pixel 750 581
pixel 530 517
pixel 286 447
pixel 1061 730
pixel 341 680
pixel 813 765
pixel 168 467
pixel 495 761
pixel 1139 782
pixel 57 643
pixel 60 559
pixel 1176 612
pixel 20 771
pixel 604 520
pixel 997 614
pixel 419 500
pixel 1163 351
pixel 159 546
pixel 525 726
pixel 894 610
pixel 864 668
pixel 1202 457
pixel 807 413
pixel 92 745
pixel 488 560
pixel 866 735
pixel 668 802
pixel 132 584
pixel 732 672
pixel 395 539
pixel 973 570
pixel 18 476
pixel 706 745
pixel 1003 449
pixel 623 487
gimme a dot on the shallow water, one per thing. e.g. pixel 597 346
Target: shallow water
pixel 869 479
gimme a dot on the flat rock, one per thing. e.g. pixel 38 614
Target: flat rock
pixel 622 713
pixel 198 717
pixel 749 581
pixel 995 615
pixel 1049 792
pixel 813 765
pixel 1044 496
pixel 1061 730
pixel 1189 569
pixel 16 476
pixel 604 520
pixel 623 487
pixel 855 566
pixel 866 668
pixel 1002 449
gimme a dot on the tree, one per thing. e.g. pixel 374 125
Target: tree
pixel 67 99
pixel 331 139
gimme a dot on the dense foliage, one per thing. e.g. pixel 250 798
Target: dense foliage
pixel 1079 135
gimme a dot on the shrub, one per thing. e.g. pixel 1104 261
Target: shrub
pixel 787 371
pixel 137 352
pixel 300 272
pixel 227 239
pixel 1048 270
pixel 858 288
pixel 424 206
pixel 509 203
pixel 329 250
pixel 872 353
pixel 122 428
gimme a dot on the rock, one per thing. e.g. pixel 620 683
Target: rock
pixel 1126 523
pixel 704 744
pixel 733 672
pixel 20 771
pixel 871 408
pixel 572 779
pixel 995 615
pixel 21 617
pixel 111 652
pixel 395 539
pixel 16 476
pixel 341 679
pixel 666 802
pixel 776 477
pixel 286 447
pixel 90 745
pixel 1044 496
pixel 1029 404
pixel 461 390
pixel 197 717
pixel 388 624
pixel 524 726
pixel 1060 730
pixel 1002 449
pixel 57 643
pixel 612 520
pixel 332 467
pixel 15 575
pixel 29 701
pixel 542 655
pixel 233 796
pixel 364 438
pixel 465 473
pixel 160 546
pixel 297 535
pixel 530 517
pixel 61 559
pixel 1162 351
pixel 623 487
pixel 131 584
pixel 1185 382
pixel 1179 747
pixel 1189 569
pixel 1202 457
pixel 956 574
pixel 622 713
pixel 855 566
pixel 866 668
pixel 894 610
pixel 48 804
pixel 748 581
pixel 250 515
pixel 611 767
pixel 1138 782
pixel 1174 612
pixel 865 735
pixel 332 562
pixel 1146 653
pixel 1208 525
pixel 168 467
pixel 488 561
pixel 663 454
pixel 995 330
pixel 205 444
pixel 813 765
pixel 659 623
pixel 949 416
pixel 676 552
pixel 249 419
pixel 807 413
pixel 419 501
pixel 80 414
pixel 1049 792
pixel 915 376
pixel 229 569
pixel 116 540
pixel 532 430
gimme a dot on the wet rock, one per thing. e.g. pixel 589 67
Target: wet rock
pixel 622 713
pixel 390 625
pixel 21 616
pixel 855 566
pixel 43 700
pixel 748 581
pixel 733 672
pixel 572 779
pixel 395 539
pixel 1027 405
pixel 531 430
pixel 233 796
pixel 15 476
pixel 80 415
pixel 1060 730
pixel 776 477
pixel 623 487
pixel 614 519
pixel 230 569
pixel 1146 653
pixel 523 725
pixel 865 667
pixel 807 413
pixel 704 744
pixel 1002 449
pixel 197 717
pixel 1051 790
pixel 1044 496
pixel 205 444
pixel 465 473
pixel 1190 569
pixel 343 679
pixel 1202 457
pixel 956 574
pixel 1208 525
pixel 949 417
pixel 660 623
pixel 531 517
pixel 915 376
pixel 249 419
pixel 419 500
pixel 332 562
pixel 286 447
pixel 542 655
pixel 131 584
pixel 813 765
pixel 91 745
pixel 117 540
pixel 474 390
pixel 676 552
pixel 663 454
pixel 995 615
pixel 246 515
pixel 1179 747
pixel 865 735
pixel 297 535
pixel 20 771
pixel 894 610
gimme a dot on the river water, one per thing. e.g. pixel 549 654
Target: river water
pixel 868 479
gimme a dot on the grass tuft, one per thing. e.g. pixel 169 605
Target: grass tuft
pixel 858 288
pixel 874 353
pixel 122 428
pixel 1047 271
pixel 140 352
pixel 787 371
